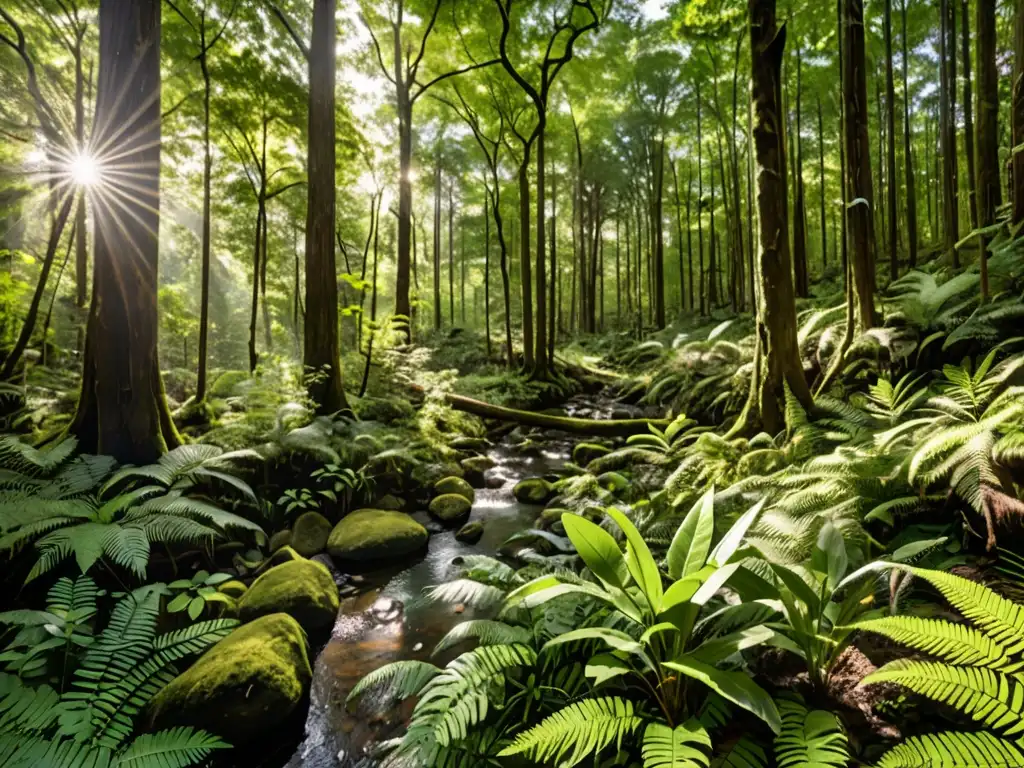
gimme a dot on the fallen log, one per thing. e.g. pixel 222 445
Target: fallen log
pixel 593 427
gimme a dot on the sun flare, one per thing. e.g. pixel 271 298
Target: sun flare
pixel 85 171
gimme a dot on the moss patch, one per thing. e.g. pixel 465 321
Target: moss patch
pixel 584 453
pixel 309 534
pixel 367 535
pixel 470 533
pixel 450 508
pixel 233 588
pixel 280 539
pixel 457 486
pixel 303 589
pixel 243 687
pixel 533 490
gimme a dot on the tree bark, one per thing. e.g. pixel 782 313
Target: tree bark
pixel 540 362
pixel 965 37
pixel 947 128
pixel 912 236
pixel 987 137
pixel 821 187
pixel 122 411
pixel 890 160
pixel 437 246
pixel 321 356
pixel 526 278
pixel 1017 116
pixel 659 232
pixel 776 324
pixel 800 271
pixel 700 206
pixel 858 154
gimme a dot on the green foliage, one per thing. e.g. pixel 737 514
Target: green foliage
pixel 194 594
pixel 810 738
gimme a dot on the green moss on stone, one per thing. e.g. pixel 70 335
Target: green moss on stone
pixel 450 508
pixel 227 384
pixel 309 534
pixel 470 533
pixel 303 589
pixel 457 486
pixel 279 557
pixel 243 687
pixel 368 535
pixel 584 453
pixel 233 588
pixel 533 490
pixel 280 539
pixel 390 502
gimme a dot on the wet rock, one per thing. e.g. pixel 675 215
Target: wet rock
pixel 386 610
pixel 550 516
pixel 309 534
pixel 455 485
pixel 475 469
pixel 389 502
pixel 534 490
pixel 450 508
pixel 470 533
pixel 303 589
pixel 280 539
pixel 281 556
pixel 584 453
pixel 369 535
pixel 243 687
pixel 475 444
pixel 494 481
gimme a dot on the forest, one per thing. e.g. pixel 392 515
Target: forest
pixel 509 383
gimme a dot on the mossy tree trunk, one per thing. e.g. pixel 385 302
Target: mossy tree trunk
pixel 122 410
pixel 776 324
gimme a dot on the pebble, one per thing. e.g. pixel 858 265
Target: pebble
pixel 417 647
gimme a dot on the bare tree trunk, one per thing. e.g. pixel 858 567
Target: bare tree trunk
pixel 802 281
pixel 989 194
pixel 947 128
pixel 821 186
pixel 700 205
pixel 437 246
pixel 912 236
pixel 965 37
pixel 890 165
pixel 526 278
pixel 1017 116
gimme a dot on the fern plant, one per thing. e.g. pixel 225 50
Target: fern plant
pixel 92 722
pixel 973 668
pixel 183 469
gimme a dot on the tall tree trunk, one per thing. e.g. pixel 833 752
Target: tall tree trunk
pixel 540 363
pixel 908 157
pixel 1017 117
pixel 700 205
pixel 256 258
pixel 487 270
pixel 437 246
pixel 403 305
pixel 965 37
pixel 506 287
pixel 947 129
pixel 712 250
pixel 776 322
pixel 657 203
pixel 858 153
pixel 890 160
pixel 462 268
pixel 81 232
pixel 321 355
pixel 801 278
pixel 679 236
pixel 122 411
pixel 451 252
pixel 552 236
pixel 204 295
pixel 618 274
pixel 526 278
pixel 989 195
pixel 821 187
pixel 373 302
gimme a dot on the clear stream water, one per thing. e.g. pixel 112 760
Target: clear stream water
pixel 392 620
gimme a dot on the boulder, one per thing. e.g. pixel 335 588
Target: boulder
pixel 470 533
pixel 232 588
pixel 457 486
pixel 309 534
pixel 368 535
pixel 474 469
pixel 584 453
pixel 280 539
pixel 533 490
pixel 279 557
pixel 303 589
pixel 450 508
pixel 243 687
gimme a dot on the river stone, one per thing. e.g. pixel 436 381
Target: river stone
pixel 584 453
pixel 303 589
pixel 389 502
pixel 470 533
pixel 457 486
pixel 533 490
pixel 243 687
pixel 367 535
pixel 309 534
pixel 451 508
pixel 280 539
pixel 477 444
pixel 281 556
pixel 475 469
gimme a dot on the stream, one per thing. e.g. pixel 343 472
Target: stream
pixel 392 620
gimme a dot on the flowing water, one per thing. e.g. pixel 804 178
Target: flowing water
pixel 393 621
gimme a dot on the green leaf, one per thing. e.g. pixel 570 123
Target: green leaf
pixel 721 648
pixel 690 546
pixel 737 687
pixel 604 667
pixel 685 746
pixel 829 556
pixel 730 543
pixel 641 564
pixel 195 608
pixel 617 640
pixel 598 549
pixel 179 603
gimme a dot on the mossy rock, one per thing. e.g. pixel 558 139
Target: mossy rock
pixel 470 533
pixel 279 557
pixel 243 687
pixel 550 516
pixel 474 469
pixel 309 534
pixel 280 539
pixel 384 409
pixel 233 588
pixel 450 508
pixel 533 490
pixel 227 384
pixel 389 502
pixel 303 589
pixel 477 444
pixel 369 535
pixel 584 453
pixel 614 482
pixel 457 486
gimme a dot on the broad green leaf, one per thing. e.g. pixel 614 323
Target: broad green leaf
pixel 641 564
pixel 721 648
pixel 690 546
pixel 604 667
pixel 727 547
pixel 615 639
pixel 598 549
pixel 737 687
pixel 829 556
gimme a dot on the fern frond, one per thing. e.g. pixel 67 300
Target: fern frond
pixel 486 632
pixel 952 643
pixel 579 730
pixel 685 746
pixel 174 748
pixel 467 592
pixel 954 750
pixel 398 680
pixel 809 738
